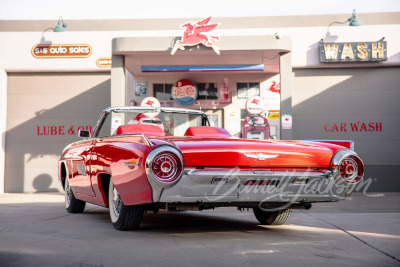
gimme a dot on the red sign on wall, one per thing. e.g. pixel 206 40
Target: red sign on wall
pixel 358 126
pixel 61 130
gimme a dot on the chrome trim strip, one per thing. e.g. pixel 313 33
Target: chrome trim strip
pixel 147 141
pixel 251 173
pixel 352 145
pixel 120 109
pixel 149 144
pixel 99 123
pixel 260 156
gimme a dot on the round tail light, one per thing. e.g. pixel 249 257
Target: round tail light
pixel 166 167
pixel 351 169
pixel 348 165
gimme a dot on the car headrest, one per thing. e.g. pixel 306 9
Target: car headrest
pixel 207 131
pixel 148 130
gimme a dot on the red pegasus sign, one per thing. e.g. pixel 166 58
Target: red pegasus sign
pixel 275 87
pixel 196 33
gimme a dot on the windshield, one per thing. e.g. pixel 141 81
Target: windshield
pixel 172 123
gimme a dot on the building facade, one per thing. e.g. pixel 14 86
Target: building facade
pixel 336 82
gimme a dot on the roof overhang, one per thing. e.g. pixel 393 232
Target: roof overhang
pixel 131 45
pixel 237 53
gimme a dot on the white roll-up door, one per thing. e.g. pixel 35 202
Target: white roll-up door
pixel 44 113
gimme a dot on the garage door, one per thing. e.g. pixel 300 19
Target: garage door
pixel 356 104
pixel 44 113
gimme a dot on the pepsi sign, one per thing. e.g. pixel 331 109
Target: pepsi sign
pixel 185 92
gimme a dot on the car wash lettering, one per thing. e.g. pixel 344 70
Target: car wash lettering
pixel 358 126
pixel 61 130
pixel 61 50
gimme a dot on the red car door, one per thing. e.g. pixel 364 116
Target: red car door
pixel 100 161
pixel 81 168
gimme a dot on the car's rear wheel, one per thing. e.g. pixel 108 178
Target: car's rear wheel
pixel 272 217
pixel 72 204
pixel 123 217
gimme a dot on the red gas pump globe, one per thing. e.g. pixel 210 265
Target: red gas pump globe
pixel 255 126
pixel 151 102
pixel 255 105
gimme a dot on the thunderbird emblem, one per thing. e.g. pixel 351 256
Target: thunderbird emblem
pixel 260 156
pixel 132 163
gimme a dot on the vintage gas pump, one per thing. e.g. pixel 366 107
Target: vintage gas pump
pixel 255 126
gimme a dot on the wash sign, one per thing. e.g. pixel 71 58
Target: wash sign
pixel 353 52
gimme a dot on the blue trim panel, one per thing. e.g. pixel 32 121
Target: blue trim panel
pixel 202 68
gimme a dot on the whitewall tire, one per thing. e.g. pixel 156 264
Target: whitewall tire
pixel 72 204
pixel 123 217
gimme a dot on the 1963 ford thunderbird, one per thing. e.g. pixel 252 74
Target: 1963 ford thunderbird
pixel 145 159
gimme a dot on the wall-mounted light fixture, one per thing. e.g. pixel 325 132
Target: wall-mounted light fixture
pixel 61 25
pixel 353 20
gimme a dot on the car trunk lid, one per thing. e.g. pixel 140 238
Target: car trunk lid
pixel 219 152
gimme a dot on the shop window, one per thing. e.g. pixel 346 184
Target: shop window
pixel 162 91
pixel 246 90
pixel 207 91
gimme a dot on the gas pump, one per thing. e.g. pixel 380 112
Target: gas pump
pixel 255 126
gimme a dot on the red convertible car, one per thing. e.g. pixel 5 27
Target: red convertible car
pixel 174 160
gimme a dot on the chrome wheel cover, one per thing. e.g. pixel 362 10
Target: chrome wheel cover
pixel 68 193
pixel 117 203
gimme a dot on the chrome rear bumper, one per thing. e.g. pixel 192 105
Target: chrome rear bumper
pixel 235 185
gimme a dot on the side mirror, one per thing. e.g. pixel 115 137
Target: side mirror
pixel 84 134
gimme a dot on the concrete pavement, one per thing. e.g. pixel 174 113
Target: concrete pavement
pixel 35 230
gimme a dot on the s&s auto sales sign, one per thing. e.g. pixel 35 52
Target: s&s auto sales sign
pixel 61 50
